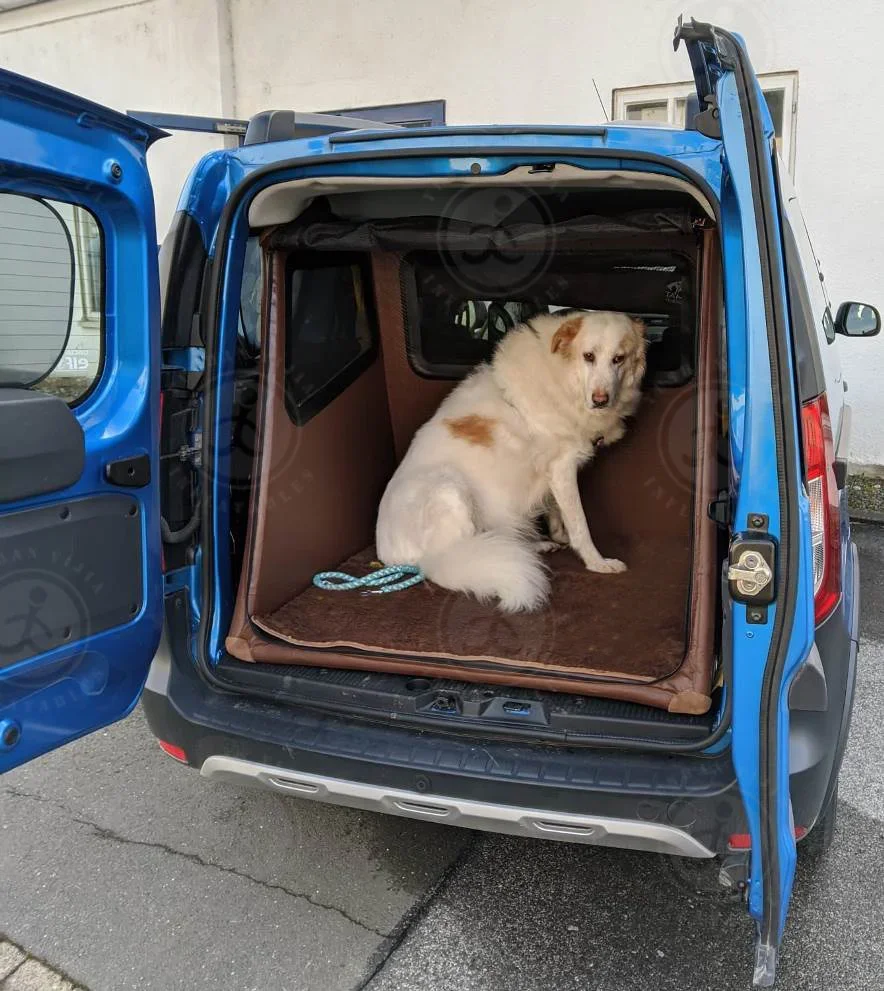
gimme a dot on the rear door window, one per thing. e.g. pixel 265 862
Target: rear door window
pixel 51 296
pixel 819 300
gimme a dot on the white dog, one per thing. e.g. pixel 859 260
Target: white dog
pixel 503 448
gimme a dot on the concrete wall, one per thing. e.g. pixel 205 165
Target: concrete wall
pixel 161 55
pixel 492 60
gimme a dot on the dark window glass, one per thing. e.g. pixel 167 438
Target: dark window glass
pixel 451 327
pixel 250 298
pixel 329 340
pixel 776 104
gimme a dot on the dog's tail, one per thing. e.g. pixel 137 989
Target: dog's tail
pixel 494 564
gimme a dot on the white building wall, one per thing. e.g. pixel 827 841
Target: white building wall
pixel 493 61
pixel 161 55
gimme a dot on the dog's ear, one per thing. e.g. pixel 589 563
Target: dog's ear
pixel 564 336
pixel 637 362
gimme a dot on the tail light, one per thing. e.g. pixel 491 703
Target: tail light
pixel 743 841
pixel 825 505
pixel 173 751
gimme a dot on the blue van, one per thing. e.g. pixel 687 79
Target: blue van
pixel 167 495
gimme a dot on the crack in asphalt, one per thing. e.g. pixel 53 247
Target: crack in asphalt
pixel 415 915
pixel 104 833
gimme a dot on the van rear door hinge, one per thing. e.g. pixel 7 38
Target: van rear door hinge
pixel 192 452
pixel 708 120
pixel 185 359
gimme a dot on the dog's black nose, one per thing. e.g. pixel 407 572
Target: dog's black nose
pixel 600 399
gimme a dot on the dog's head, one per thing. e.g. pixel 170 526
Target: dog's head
pixel 606 351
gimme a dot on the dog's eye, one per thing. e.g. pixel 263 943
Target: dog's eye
pixel 589 357
pixel 617 359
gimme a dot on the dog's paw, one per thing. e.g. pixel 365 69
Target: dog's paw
pixel 548 546
pixel 606 566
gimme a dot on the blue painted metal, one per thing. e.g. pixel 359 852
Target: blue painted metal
pixel 186 359
pixel 755 462
pixel 10 734
pixel 56 145
pixel 175 581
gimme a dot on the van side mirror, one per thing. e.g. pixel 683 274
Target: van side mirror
pixel 857 320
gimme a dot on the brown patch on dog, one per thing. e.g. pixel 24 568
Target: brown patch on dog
pixel 564 336
pixel 474 429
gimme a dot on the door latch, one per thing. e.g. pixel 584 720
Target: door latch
pixel 751 567
pixel 751 573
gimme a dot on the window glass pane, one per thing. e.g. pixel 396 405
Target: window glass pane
pixel 250 298
pixel 776 102
pixel 680 105
pixel 653 111
pixel 51 296
pixel 819 302
pixel 451 327
pixel 327 334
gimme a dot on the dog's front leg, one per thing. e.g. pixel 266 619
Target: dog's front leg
pixel 563 485
pixel 556 525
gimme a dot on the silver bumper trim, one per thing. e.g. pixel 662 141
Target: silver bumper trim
pixel 598 830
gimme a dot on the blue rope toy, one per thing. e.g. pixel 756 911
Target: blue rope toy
pixel 392 579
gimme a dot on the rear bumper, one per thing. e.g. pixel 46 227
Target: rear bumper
pixel 680 804
pixel 654 837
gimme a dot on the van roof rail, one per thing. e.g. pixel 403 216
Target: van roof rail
pixel 269 125
pixel 189 122
pixel 284 125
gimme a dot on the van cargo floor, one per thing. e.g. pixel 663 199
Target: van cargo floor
pixel 623 627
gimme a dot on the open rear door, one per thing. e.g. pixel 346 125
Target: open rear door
pixel 772 625
pixel 80 566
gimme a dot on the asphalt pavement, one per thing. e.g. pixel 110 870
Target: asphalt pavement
pixel 121 870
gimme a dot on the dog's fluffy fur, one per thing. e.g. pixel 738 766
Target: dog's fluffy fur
pixel 503 448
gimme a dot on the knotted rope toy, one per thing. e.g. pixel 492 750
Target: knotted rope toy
pixel 392 579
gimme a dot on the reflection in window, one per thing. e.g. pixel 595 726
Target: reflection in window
pixel 655 112
pixel 50 296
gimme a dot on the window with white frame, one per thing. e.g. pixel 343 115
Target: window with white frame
pixel 665 104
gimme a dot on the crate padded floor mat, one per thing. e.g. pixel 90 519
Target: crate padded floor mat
pixel 596 631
